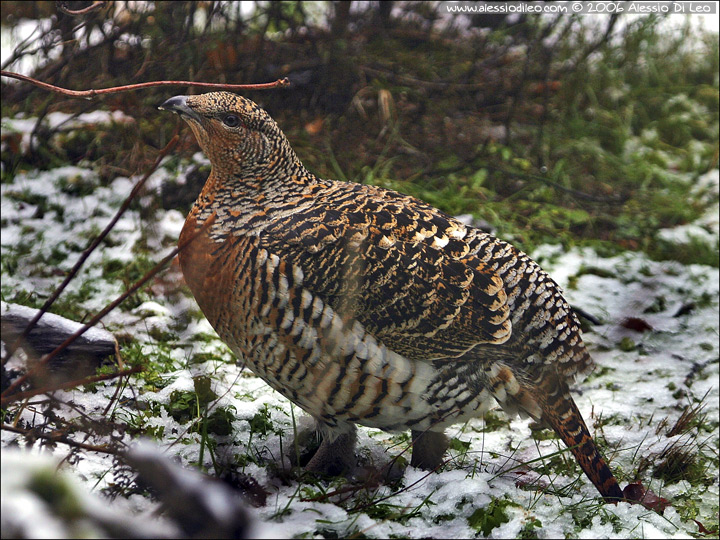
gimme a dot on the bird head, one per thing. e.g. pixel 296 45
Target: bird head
pixel 232 130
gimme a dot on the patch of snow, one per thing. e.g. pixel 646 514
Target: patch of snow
pixel 59 121
pixel 61 324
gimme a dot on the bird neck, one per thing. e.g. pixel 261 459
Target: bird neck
pixel 247 198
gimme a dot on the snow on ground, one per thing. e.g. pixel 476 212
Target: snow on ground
pixel 642 378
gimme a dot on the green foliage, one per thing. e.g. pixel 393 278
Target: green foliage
pixel 627 344
pixel 220 420
pixel 530 528
pixel 203 390
pixel 543 434
pixel 697 251
pixel 157 361
pixel 261 423
pixel 493 515
pixel 182 406
pixel 399 513
pixel 458 445
pixel 493 421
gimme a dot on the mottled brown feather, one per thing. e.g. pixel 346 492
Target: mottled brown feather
pixel 363 305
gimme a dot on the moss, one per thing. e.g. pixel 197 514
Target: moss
pixel 627 344
pixel 57 493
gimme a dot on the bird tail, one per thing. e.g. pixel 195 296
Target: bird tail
pixel 561 413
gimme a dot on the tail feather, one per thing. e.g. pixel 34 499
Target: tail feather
pixel 561 413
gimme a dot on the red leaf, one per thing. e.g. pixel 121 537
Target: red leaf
pixel 702 529
pixel 636 493
pixel 634 323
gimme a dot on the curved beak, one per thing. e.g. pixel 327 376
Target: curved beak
pixel 178 104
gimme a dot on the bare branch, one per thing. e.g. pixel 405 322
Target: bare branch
pixel 591 48
pixel 62 7
pixel 60 438
pixel 71 384
pixel 90 94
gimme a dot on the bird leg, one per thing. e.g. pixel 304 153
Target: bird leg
pixel 428 449
pixel 336 455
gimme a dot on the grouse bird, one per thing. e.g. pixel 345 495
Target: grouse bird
pixel 366 306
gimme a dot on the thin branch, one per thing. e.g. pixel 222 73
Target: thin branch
pixel 119 386
pixel 62 7
pixel 574 192
pixel 391 495
pixel 571 66
pixel 60 438
pixel 9 396
pixel 90 94
pixel 21 48
pixel 16 343
pixel 72 384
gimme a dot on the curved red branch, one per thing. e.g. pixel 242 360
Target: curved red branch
pixel 90 94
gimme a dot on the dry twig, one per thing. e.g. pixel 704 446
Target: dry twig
pixel 90 94
pixel 55 437
pixel 63 7
pixel 72 384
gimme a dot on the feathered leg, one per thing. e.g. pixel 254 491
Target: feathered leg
pixel 336 454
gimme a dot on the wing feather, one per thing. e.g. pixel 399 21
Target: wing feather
pixel 400 267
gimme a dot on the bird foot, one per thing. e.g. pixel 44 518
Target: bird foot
pixel 334 457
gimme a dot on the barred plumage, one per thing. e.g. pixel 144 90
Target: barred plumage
pixel 363 305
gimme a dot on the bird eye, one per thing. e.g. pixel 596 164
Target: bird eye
pixel 231 120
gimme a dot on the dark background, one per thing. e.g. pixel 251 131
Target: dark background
pixel 570 129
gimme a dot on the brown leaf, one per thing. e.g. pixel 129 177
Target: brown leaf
pixel 314 127
pixel 703 530
pixel 635 323
pixel 542 87
pixel 636 493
